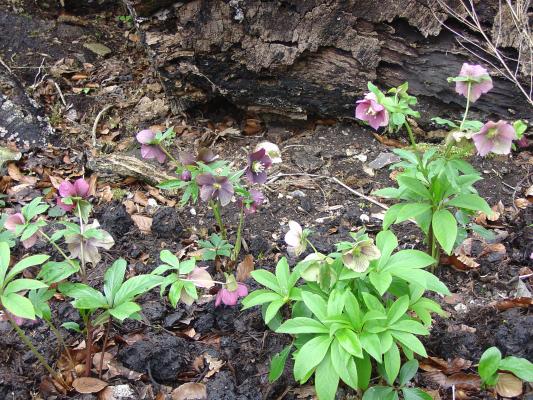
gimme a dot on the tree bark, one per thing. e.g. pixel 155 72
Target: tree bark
pixel 302 58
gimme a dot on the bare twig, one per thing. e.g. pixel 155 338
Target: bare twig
pixel 5 66
pixel 97 120
pixel 60 93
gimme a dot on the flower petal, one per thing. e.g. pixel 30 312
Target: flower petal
pixel 205 179
pixel 13 220
pixel 67 189
pixel 145 136
pixel 81 187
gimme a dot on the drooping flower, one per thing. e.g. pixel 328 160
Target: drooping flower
pixel 186 175
pixel 495 137
pixel 215 188
pixel 200 278
pixel 11 225
pixel 272 150
pixel 230 293
pixel 479 79
pixel 255 201
pixel 99 239
pixel 205 155
pixel 78 190
pixel 296 239
pixel 371 111
pixel 150 148
pixel 312 264
pixel 258 163
pixel 359 256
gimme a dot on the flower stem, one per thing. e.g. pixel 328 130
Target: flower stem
pixel 469 88
pixel 169 155
pixel 88 345
pixel 311 244
pixel 30 345
pixel 83 272
pixel 54 244
pixel 60 340
pixel 218 217
pixel 411 136
pixel 237 248
pixel 102 352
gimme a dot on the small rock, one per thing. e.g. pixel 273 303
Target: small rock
pixel 384 159
pixel 98 48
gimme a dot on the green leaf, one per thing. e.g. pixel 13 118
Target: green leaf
pixel 411 326
pixel 408 259
pixel 113 279
pixel 124 310
pixel 54 272
pixel 408 371
pixel 390 216
pixel 259 297
pixel 445 229
pixel 283 274
pixel 380 280
pixel 446 122
pixel 398 309
pixel 388 193
pixel 19 285
pixel 344 364
pixel 392 363
pixel 520 367
pixel 136 286
pixel 168 258
pixel 266 279
pixel 412 210
pixel 5 258
pixel 326 379
pixel 310 355
pixel 18 305
pixel 300 325
pixel 273 309
pixel 71 326
pixel 364 371
pixel 85 297
pixel 410 341
pixel 415 394
pixel 335 302
pixel 277 364
pixel 187 266
pixel 386 242
pixel 25 263
pixel 372 345
pixel 350 342
pixel 373 303
pixel 414 185
pixel 489 363
pixel 379 393
pixel 316 304
pixel 470 202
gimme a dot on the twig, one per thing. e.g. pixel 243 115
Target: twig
pixel 337 181
pixel 5 66
pixel 60 93
pixel 97 120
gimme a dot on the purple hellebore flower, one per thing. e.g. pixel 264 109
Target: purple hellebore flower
pixel 481 82
pixel 371 111
pixel 495 137
pixel 80 189
pixel 149 146
pixel 229 294
pixel 186 175
pixel 215 187
pixel 11 225
pixel 204 155
pixel 258 163
pixel 257 198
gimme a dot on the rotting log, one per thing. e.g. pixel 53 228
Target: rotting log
pixel 301 58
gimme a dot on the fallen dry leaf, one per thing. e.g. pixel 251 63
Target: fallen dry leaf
pixel 190 391
pixel 305 392
pixel 493 248
pixel 115 368
pixel 117 392
pixel 521 203
pixel 245 267
pixel 517 302
pixel 388 141
pixel 107 359
pixel 460 380
pixel 143 222
pixel 459 262
pixel 509 385
pixel 529 194
pixel 214 365
pixel 87 385
pixel 448 367
pixel 15 173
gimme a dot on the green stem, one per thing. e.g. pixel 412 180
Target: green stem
pixel 54 244
pixel 411 136
pixel 60 340
pixel 83 272
pixel 237 248
pixel 102 352
pixel 30 345
pixel 218 217
pixel 169 155
pixel 467 105
pixel 311 244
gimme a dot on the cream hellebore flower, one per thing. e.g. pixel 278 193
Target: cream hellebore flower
pixel 296 239
pixel 91 244
pixel 272 150
pixel 359 256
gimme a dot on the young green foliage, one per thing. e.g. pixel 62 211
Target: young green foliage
pixel 491 362
pixel 215 247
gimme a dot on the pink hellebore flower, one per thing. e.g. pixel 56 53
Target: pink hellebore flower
pixel 18 219
pixel 257 198
pixel 496 137
pixel 371 111
pixel 150 147
pixel 80 189
pixel 229 294
pixel 481 82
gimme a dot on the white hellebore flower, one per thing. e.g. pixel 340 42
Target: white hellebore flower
pixel 98 238
pixel 295 239
pixel 271 150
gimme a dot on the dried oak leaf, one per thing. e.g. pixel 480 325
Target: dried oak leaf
pixel 190 391
pixel 460 380
pixel 448 367
pixel 88 385
pixel 143 222
pixel 245 267
pixel 509 385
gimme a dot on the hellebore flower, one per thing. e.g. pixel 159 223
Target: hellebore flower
pixel 186 176
pixel 200 278
pixel 80 189
pixel 296 239
pixel 359 256
pixel 257 198
pixel 215 188
pixel 371 111
pixel 11 225
pixel 150 148
pixel 204 155
pixel 272 150
pixel 258 163
pixel 100 238
pixel 479 79
pixel 496 137
pixel 229 294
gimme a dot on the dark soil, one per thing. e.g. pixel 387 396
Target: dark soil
pixel 170 340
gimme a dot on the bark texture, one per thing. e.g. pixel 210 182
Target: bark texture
pixel 306 57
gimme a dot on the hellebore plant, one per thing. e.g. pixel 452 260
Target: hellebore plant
pixel 230 292
pixel 153 144
pixel 491 363
pixel 344 321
